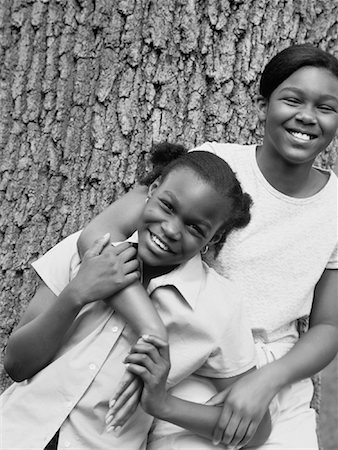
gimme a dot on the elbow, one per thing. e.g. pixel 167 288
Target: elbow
pixel 13 369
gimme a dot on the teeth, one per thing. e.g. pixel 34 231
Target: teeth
pixel 303 136
pixel 158 242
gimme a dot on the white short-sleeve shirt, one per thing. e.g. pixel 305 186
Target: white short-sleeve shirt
pixel 208 335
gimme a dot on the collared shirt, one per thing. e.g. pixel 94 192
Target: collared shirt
pixel 208 335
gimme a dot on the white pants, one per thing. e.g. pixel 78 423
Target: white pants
pixel 294 422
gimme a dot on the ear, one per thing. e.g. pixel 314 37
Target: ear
pixel 216 238
pixel 261 107
pixel 152 188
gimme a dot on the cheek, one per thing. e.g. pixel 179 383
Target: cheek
pixel 149 214
pixel 331 126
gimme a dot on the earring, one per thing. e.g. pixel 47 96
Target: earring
pixel 147 199
pixel 205 250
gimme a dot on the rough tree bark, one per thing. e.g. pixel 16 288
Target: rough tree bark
pixel 87 86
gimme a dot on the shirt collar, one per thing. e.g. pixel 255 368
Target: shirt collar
pixel 187 278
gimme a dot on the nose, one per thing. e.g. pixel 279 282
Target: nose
pixel 307 114
pixel 172 228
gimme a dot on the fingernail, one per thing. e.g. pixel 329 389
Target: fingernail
pixel 112 402
pixel 216 441
pixel 106 235
pixel 145 336
pixel 109 428
pixel 117 429
pixel 109 418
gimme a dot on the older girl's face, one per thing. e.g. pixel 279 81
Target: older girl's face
pixel 181 216
pixel 301 116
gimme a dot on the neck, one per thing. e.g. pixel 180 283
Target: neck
pixel 294 180
pixel 150 272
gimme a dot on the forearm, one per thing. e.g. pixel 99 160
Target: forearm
pixel 202 419
pixel 314 351
pixel 33 345
pixel 134 304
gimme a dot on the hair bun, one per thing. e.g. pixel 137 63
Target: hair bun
pixel 165 152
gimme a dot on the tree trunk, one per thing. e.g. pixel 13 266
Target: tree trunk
pixel 87 86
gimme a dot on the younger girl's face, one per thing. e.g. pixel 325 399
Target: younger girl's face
pixel 301 116
pixel 181 216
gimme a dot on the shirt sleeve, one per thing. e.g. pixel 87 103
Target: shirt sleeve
pixel 206 146
pixel 333 261
pixel 235 351
pixel 59 265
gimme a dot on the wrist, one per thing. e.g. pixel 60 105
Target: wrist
pixel 73 297
pixel 164 408
pixel 276 376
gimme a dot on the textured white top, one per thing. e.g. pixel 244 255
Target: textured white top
pixel 278 258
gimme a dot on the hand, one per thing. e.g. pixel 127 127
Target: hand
pixel 124 401
pixel 102 275
pixel 149 360
pixel 245 403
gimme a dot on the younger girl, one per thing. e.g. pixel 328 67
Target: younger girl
pixel 285 261
pixel 80 342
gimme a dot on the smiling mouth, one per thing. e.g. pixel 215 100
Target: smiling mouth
pixel 159 243
pixel 302 136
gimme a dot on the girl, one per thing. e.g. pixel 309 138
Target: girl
pixel 285 260
pixel 80 343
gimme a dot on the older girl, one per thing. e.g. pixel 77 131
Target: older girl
pixel 285 261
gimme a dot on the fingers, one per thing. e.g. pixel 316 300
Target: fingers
pixel 125 250
pixel 221 426
pixel 125 382
pixel 247 436
pixel 97 247
pixel 130 267
pixel 146 362
pixel 161 345
pixel 126 410
pixel 217 399
pixel 122 406
pixel 233 429
pixel 149 349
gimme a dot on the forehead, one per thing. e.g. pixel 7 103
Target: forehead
pixel 192 193
pixel 317 80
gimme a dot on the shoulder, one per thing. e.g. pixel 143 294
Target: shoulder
pixel 220 291
pixel 55 266
pixel 234 154
pixel 220 148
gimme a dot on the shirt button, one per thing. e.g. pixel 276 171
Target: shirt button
pixel 114 329
pixel 67 444
pixel 92 366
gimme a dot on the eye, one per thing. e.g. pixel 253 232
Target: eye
pixel 292 100
pixel 195 229
pixel 166 205
pixel 327 108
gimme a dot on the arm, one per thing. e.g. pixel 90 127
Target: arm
pixel 319 345
pixel 43 327
pixel 120 219
pixel 149 360
pixel 314 350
